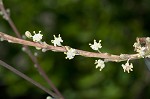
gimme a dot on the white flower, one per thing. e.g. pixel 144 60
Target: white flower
pixel 70 53
pixel 23 49
pixel 28 34
pixel 1 39
pixel 141 51
pixel 35 54
pixel 100 64
pixel 96 45
pixel 136 45
pixel 48 97
pixel 127 67
pixel 44 50
pixel 37 37
pixel 38 48
pixel 57 40
pixel 148 39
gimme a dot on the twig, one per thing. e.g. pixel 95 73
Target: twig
pixel 106 56
pixel 33 58
pixel 28 79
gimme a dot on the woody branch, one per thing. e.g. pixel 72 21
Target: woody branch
pixel 106 56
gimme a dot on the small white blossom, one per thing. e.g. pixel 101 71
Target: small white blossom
pixel 38 48
pixel 37 37
pixel 45 44
pixel 141 51
pixel 23 49
pixel 44 50
pixel 49 97
pixel 28 34
pixel 70 53
pixel 6 17
pixel 9 41
pixel 136 45
pixel 148 39
pixel 127 67
pixel 35 54
pixel 1 39
pixel 8 11
pixel 100 64
pixel 148 56
pixel 96 45
pixel 24 37
pixel 57 40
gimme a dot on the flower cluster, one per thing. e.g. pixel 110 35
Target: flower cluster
pixel 96 45
pixel 100 64
pixel 127 67
pixel 37 37
pixel 148 39
pixel 139 49
pixel 57 40
pixel 70 53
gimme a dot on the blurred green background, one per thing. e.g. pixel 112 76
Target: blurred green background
pixel 116 22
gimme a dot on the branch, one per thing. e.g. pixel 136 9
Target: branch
pixel 106 56
pixel 33 58
pixel 27 78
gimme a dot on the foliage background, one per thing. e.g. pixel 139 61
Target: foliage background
pixel 116 22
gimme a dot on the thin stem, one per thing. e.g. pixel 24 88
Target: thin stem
pixel 45 76
pixel 27 78
pixel 33 58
